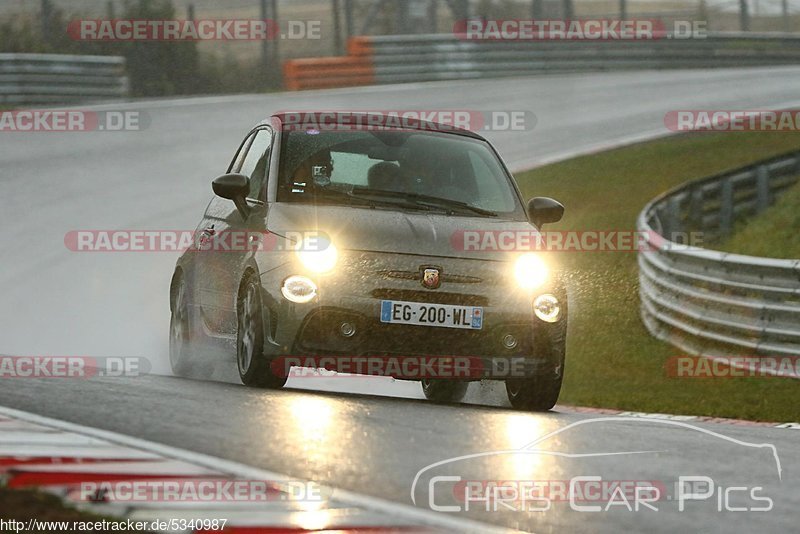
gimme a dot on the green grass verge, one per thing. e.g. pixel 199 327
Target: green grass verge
pixel 612 361
pixel 771 234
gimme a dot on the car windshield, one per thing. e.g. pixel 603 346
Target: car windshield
pixel 429 171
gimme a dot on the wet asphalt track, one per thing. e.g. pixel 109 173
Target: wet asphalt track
pixel 56 302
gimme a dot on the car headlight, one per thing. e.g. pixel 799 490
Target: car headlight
pixel 319 256
pixel 299 289
pixel 531 271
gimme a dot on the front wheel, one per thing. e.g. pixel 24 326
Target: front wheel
pixel 444 390
pixel 254 368
pixel 538 393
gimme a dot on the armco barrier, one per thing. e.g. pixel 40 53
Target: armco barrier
pixel 415 58
pixel 32 79
pixel 711 303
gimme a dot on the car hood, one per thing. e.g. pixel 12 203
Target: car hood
pixel 382 230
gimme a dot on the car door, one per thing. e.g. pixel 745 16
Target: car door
pixel 226 236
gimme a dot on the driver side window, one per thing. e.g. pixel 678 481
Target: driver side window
pixel 256 164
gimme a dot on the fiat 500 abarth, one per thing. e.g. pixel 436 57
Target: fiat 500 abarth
pixel 374 251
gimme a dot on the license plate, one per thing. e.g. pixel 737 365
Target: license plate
pixel 424 314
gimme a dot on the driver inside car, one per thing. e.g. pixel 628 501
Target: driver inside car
pixel 315 171
pixel 386 176
pixel 435 178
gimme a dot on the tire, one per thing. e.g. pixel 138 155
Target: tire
pixel 179 330
pixel 254 366
pixel 538 394
pixel 444 390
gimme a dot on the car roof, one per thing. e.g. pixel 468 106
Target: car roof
pixel 369 117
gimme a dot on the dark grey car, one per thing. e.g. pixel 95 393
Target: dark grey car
pixel 374 251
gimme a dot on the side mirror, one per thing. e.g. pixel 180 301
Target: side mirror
pixel 234 187
pixel 543 210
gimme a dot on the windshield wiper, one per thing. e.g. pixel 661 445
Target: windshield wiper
pixel 394 204
pixel 351 198
pixel 427 200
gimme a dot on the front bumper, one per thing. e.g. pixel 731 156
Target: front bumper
pixel 354 295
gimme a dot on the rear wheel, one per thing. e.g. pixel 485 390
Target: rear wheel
pixel 444 390
pixel 179 329
pixel 254 367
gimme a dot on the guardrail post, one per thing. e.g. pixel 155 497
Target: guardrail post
pixel 270 51
pixel 402 14
pixel 264 44
pixel 536 9
pixel 787 26
pixel 568 9
pixel 744 15
pixel 763 199
pixel 433 16
pixel 673 217
pixel 337 27
pixel 369 19
pixel 47 13
pixel 726 207
pixel 348 18
pixel 696 211
pixel 460 8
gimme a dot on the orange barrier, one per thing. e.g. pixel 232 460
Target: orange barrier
pixel 360 46
pixel 329 72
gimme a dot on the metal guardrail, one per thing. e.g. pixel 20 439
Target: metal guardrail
pixel 61 79
pixel 415 58
pixel 441 58
pixel 711 303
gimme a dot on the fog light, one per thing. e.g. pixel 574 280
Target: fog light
pixel 547 308
pixel 510 342
pixel 299 289
pixel 347 329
